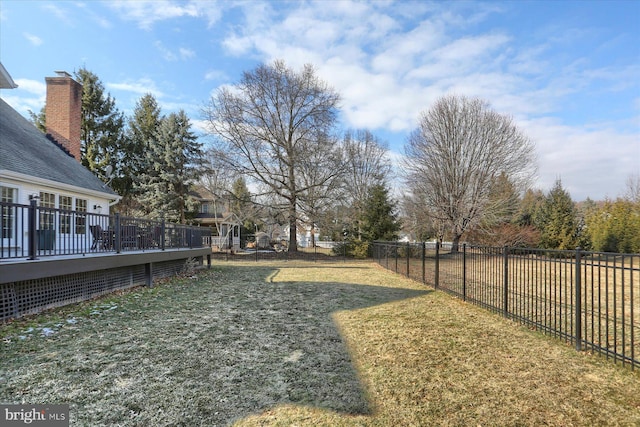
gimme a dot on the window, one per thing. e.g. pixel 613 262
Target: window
pixel 47 200
pixel 8 195
pixel 81 220
pixel 65 203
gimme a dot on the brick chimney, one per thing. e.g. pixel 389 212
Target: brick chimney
pixel 63 111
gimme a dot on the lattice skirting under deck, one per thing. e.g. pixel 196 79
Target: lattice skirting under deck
pixel 33 296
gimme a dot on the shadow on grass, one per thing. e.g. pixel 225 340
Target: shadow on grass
pixel 206 352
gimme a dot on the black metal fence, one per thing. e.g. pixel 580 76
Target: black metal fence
pixel 590 299
pixel 31 231
pixel 314 254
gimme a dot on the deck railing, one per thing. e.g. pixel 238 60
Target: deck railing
pixel 32 231
pixel 590 299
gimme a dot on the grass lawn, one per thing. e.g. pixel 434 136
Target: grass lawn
pixel 303 343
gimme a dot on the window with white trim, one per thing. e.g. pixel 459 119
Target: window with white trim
pixel 47 200
pixel 8 195
pixel 65 204
pixel 81 219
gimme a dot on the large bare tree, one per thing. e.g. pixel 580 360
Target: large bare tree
pixel 269 124
pixel 367 166
pixel 456 155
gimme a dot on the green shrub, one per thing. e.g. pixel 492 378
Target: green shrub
pixel 353 249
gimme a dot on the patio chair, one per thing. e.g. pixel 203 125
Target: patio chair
pixel 129 236
pixel 98 237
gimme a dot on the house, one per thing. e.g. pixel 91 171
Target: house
pixel 48 167
pixel 216 214
pixel 58 243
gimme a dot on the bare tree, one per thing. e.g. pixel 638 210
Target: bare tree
pixel 367 165
pixel 217 179
pixel 455 156
pixel 326 166
pixel 417 221
pixel 269 123
pixel 633 188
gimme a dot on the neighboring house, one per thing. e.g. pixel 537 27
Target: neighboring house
pixel 48 167
pixel 215 213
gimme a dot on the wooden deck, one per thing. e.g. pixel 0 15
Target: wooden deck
pixel 20 269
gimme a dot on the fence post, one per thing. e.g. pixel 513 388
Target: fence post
pixel 578 303
pixel 162 233
pixel 408 256
pixel 386 256
pixel 505 282
pixel 464 271
pixel 118 236
pixel 424 250
pixel 31 219
pixel 396 251
pixel 437 272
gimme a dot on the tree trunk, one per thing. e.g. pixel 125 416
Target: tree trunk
pixel 455 245
pixel 293 237
pixel 293 241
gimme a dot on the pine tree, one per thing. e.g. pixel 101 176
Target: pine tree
pixel 615 226
pixel 379 221
pixel 557 220
pixel 39 120
pixel 173 162
pixel 243 207
pixel 102 127
pixel 143 127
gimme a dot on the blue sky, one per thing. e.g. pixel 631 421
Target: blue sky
pixel 568 72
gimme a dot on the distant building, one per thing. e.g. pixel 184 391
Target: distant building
pixel 215 213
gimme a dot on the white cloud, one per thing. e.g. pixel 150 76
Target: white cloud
pixel 201 127
pixel 186 53
pixel 147 12
pixel 30 95
pixel 102 21
pixel 169 55
pixel 141 86
pixel 60 13
pixel 33 39
pixel 591 163
pixel 216 75
pixel 24 104
pixel 34 87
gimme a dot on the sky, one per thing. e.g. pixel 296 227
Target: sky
pixel 567 72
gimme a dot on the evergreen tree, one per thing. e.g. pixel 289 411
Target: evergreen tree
pixel 243 207
pixel 241 196
pixel 379 220
pixel 39 120
pixel 557 220
pixel 615 226
pixel 173 163
pixel 143 127
pixel 531 202
pixel 102 128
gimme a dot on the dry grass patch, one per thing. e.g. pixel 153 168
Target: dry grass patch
pixel 299 343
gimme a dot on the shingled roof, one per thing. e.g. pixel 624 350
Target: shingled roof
pixel 25 149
